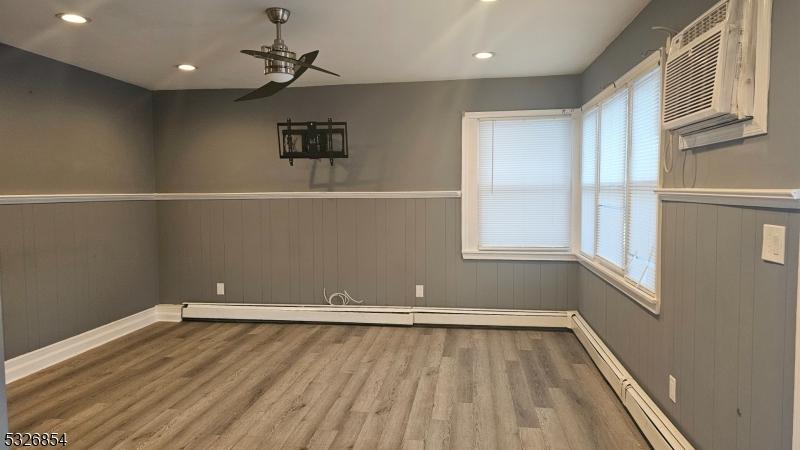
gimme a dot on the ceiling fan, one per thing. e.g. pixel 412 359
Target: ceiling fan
pixel 280 65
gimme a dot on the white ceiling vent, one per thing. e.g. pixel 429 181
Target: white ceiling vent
pixel 702 71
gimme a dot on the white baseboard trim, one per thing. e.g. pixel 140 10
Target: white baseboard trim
pixel 29 363
pixel 168 313
pixel 660 432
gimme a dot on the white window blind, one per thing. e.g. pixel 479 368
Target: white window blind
pixel 619 207
pixel 611 189
pixel 524 183
pixel 643 180
pixel 589 181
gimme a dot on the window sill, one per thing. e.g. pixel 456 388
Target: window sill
pixel 510 255
pixel 648 301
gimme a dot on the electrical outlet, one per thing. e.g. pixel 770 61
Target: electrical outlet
pixel 220 288
pixel 420 290
pixel 774 243
pixel 673 389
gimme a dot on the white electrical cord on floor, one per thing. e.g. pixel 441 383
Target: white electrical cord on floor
pixel 345 298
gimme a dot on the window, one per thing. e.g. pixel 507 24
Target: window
pixel 641 233
pixel 517 184
pixel 620 145
pixel 589 182
pixel 611 185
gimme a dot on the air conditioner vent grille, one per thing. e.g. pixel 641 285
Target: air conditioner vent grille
pixel 690 79
pixel 709 21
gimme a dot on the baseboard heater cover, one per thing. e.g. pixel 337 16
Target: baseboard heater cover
pixel 660 432
pixel 602 356
pixel 298 313
pixel 385 315
pixel 491 317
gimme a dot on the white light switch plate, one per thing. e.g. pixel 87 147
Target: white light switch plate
pixel 673 389
pixel 774 244
pixel 420 290
pixel 220 288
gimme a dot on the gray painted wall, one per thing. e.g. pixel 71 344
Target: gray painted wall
pixel 629 48
pixel 286 251
pixel 403 136
pixel 726 329
pixel 67 268
pixel 771 161
pixel 67 130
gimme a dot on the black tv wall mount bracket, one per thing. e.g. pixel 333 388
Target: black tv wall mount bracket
pixel 312 140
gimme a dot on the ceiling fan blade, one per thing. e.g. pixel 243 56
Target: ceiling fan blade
pixel 277 57
pixel 266 90
pixel 256 54
pixel 273 87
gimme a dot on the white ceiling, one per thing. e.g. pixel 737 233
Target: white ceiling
pixel 366 41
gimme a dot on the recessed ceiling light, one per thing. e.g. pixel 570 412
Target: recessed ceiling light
pixel 483 55
pixel 73 18
pixel 186 67
pixel 488 1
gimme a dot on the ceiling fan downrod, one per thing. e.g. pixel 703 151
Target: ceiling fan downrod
pixel 276 70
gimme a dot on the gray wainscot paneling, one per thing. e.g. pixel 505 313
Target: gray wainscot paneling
pixel 3 403
pixel 726 328
pixel 66 268
pixel 288 250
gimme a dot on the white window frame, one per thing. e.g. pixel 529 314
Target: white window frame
pixel 470 248
pixel 610 273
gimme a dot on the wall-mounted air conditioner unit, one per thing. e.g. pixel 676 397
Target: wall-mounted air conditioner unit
pixel 703 70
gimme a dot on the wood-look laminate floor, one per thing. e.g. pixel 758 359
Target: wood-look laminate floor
pixel 247 385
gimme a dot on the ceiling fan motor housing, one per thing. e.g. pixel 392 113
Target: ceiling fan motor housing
pixel 273 66
pixel 278 16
